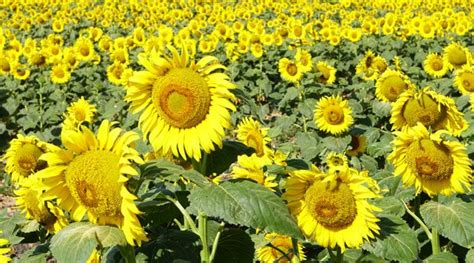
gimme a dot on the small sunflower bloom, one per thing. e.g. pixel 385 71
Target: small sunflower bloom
pixel 430 108
pixel 391 84
pixel 279 249
pixel 23 156
pixel 333 115
pixel 250 133
pixel 290 70
pixel 435 66
pixel 327 73
pixel 252 167
pixel 332 208
pixel 464 79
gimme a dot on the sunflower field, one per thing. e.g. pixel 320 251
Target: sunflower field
pixel 236 131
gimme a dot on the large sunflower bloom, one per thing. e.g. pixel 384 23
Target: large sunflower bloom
pixel 432 164
pixel 90 176
pixel 253 135
pixel 333 115
pixel 186 104
pixel 464 79
pixel 429 108
pixel 391 84
pixel 280 249
pixel 22 157
pixel 30 201
pixel 4 250
pixel 332 209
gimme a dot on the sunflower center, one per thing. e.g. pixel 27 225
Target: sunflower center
pixel 92 179
pixel 332 205
pixel 84 51
pixel 457 57
pixel 430 160
pixel 392 87
pixel 436 65
pixel 79 115
pixel 467 80
pixel 59 73
pixel 5 65
pixel 334 114
pixel 182 98
pixel 425 110
pixel 255 140
pixel 291 69
pixel 26 158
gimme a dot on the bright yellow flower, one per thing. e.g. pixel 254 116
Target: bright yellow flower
pixel 391 84
pixel 435 66
pixel 333 115
pixel 279 249
pixel 464 79
pixel 434 165
pixel 90 176
pixel 332 209
pixel 290 70
pixel 252 167
pixel 186 105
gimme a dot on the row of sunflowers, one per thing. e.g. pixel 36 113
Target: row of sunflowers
pixel 292 131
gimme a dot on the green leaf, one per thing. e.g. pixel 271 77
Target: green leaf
pixel 76 242
pixel 454 221
pixel 369 163
pixel 41 258
pixel 396 240
pixel 443 257
pixel 390 205
pixel 308 144
pixel 234 246
pixel 470 256
pixel 173 246
pixel 337 144
pixel 245 203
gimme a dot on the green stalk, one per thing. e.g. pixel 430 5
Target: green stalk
pixel 128 253
pixel 186 216
pixel 339 255
pixel 435 236
pixel 418 220
pixel 216 242
pixel 202 219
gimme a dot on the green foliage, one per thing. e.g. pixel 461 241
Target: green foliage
pixel 76 242
pixel 454 220
pixel 245 203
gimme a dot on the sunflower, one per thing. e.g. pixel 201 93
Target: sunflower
pixel 4 250
pixel 332 209
pixel 391 84
pixel 60 74
pixel 429 108
pixel 30 201
pixel 336 161
pixel 254 136
pixel 333 115
pixel 186 104
pixel 84 49
pixel 22 157
pixel 464 79
pixel 20 71
pixel 290 70
pixel 327 73
pixel 435 66
pixel 77 113
pixel 455 55
pixel 90 176
pixel 365 66
pixel 279 249
pixel 434 165
pixel 358 145
pixel 252 167
pixel 118 73
pixel 303 58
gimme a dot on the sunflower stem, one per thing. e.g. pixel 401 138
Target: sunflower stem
pixel 186 216
pixel 296 251
pixel 216 242
pixel 435 236
pixel 203 164
pixel 418 220
pixel 202 219
pixel 339 255
pixel 331 254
